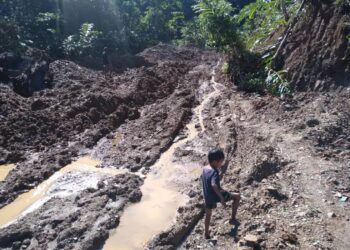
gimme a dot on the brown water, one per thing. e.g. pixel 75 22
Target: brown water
pixel 157 209
pixel 32 199
pixel 4 170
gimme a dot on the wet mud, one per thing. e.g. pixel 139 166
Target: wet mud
pixel 148 131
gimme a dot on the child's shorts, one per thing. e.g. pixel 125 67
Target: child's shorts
pixel 227 197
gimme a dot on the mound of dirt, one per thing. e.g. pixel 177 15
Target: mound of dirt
pixel 83 106
pixel 127 121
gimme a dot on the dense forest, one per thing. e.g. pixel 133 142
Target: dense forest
pixel 77 28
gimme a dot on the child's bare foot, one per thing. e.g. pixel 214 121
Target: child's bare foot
pixel 207 236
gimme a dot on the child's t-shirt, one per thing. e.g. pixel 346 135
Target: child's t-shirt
pixel 210 176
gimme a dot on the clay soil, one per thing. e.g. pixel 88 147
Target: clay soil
pixel 288 158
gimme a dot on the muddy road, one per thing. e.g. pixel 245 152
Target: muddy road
pixel 96 163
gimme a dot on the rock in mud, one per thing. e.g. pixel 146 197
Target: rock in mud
pixel 312 122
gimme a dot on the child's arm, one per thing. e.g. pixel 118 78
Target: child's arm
pixel 218 192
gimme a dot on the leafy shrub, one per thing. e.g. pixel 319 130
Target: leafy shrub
pixel 276 84
pixel 213 27
pixel 261 82
pixel 252 73
pixel 83 43
pixel 191 34
pixel 253 82
pixel 343 3
pixel 9 36
pixel 257 20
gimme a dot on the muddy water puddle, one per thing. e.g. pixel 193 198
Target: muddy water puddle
pixel 158 206
pixel 74 177
pixel 5 170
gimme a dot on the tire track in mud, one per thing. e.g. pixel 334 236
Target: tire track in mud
pixel 160 200
pixel 84 219
pixel 218 131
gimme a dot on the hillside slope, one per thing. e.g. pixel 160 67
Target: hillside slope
pixel 316 55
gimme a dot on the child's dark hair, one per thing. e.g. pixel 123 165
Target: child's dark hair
pixel 216 155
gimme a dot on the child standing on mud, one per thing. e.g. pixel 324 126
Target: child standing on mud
pixel 212 191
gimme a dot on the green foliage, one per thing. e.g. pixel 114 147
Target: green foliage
pixel 271 82
pixel 344 3
pixel 276 84
pixel 257 20
pixel 46 17
pixel 225 68
pixel 191 33
pixel 253 82
pixel 35 21
pixel 216 23
pixel 82 44
pixel 9 38
pixel 175 23
pixel 125 26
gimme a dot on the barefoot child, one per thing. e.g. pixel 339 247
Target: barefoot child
pixel 212 191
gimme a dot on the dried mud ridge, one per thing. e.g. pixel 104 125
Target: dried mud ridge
pixel 288 158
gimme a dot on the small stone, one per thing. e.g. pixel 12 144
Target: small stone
pixel 344 199
pixel 261 230
pixel 26 242
pixel 312 122
pixel 337 194
pixel 271 189
pixel 180 210
pixel 245 248
pixel 250 238
pixel 331 215
pixel 192 194
pixel 289 237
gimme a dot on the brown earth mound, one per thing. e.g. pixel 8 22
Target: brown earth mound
pixel 83 107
